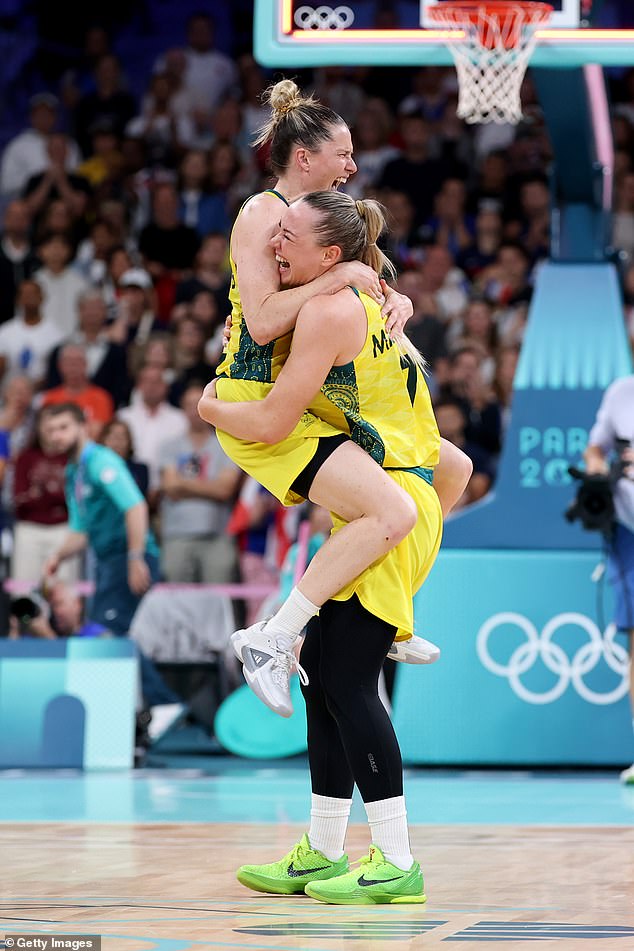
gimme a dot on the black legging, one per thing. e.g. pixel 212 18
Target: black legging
pixel 350 735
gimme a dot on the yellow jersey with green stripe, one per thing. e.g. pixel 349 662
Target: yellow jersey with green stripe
pixel 247 372
pixel 245 359
pixel 381 400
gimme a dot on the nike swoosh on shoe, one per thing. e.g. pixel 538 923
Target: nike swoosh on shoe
pixel 379 881
pixel 296 872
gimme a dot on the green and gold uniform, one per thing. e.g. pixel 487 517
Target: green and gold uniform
pixel 380 399
pixel 247 373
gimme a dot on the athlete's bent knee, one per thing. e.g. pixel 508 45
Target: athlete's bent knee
pixel 400 521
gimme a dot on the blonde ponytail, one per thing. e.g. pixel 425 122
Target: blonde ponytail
pixel 355 227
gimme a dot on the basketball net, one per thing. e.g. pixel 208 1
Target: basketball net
pixel 492 55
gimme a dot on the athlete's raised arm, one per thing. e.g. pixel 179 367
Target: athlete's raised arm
pixel 269 312
pixel 321 337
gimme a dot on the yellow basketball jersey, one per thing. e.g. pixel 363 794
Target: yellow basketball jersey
pixel 245 359
pixel 381 399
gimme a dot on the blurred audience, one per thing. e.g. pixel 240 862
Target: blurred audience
pixel 17 415
pixel 198 484
pixel 17 258
pixel 211 272
pixel 115 264
pixel 56 183
pixel 96 403
pixel 200 207
pixel 116 435
pixel 190 363
pixel 61 284
pixel 467 387
pixel 107 102
pixel 106 361
pixel 168 247
pixel 135 314
pixel 152 420
pixel 208 76
pixel 27 153
pixel 452 424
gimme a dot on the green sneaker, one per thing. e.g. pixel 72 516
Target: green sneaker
pixel 290 874
pixel 379 883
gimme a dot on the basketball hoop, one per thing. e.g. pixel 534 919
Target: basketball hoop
pixel 492 55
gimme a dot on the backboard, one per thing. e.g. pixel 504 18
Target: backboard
pixel 293 33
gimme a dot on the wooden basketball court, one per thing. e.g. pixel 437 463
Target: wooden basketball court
pixel 171 886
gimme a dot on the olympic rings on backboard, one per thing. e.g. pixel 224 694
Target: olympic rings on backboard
pixel 324 18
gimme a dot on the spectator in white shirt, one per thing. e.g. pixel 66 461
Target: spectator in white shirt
pixel 151 419
pixel 61 284
pixel 27 340
pixel 210 75
pixel 199 484
pixel 26 154
pixel 163 130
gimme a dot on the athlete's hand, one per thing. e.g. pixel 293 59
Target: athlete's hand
pixel 210 390
pixel 226 334
pixel 138 576
pixel 396 310
pixel 206 403
pixel 364 278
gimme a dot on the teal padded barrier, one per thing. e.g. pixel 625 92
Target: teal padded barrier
pixel 68 703
pixel 526 675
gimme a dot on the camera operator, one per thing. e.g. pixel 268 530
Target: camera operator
pixel 611 450
pixel 58 612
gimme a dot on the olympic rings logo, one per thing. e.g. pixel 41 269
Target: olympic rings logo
pixel 569 671
pixel 324 18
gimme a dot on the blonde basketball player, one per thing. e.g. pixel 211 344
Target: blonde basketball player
pixel 343 367
pixel 310 148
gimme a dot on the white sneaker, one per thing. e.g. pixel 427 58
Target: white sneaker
pixel 627 776
pixel 414 651
pixel 267 661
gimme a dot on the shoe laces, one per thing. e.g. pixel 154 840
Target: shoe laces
pixel 370 859
pixel 296 854
pixel 285 662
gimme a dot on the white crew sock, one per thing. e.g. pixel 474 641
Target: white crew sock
pixel 293 616
pixel 388 825
pixel 328 824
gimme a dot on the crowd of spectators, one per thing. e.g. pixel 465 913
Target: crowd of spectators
pixel 116 214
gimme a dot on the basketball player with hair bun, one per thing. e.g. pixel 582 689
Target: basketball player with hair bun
pixel 310 150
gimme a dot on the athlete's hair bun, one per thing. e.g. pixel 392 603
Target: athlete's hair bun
pixel 283 97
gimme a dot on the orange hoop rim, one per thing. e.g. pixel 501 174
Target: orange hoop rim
pixel 493 23
pixel 490 7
